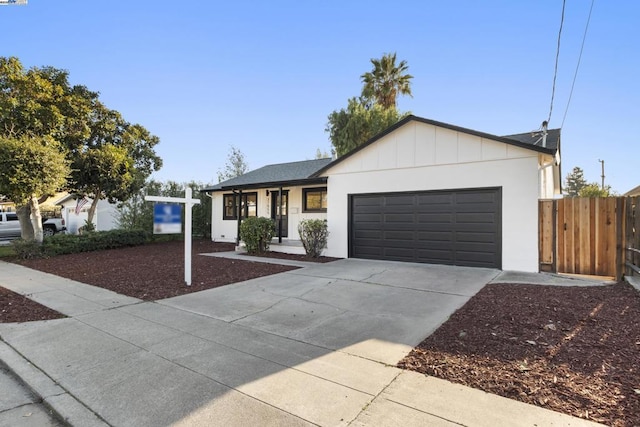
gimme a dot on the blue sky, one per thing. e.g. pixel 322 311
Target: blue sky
pixel 263 76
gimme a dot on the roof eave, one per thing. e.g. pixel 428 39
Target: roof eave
pixel 288 183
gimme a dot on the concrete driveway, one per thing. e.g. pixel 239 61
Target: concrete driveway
pixel 314 346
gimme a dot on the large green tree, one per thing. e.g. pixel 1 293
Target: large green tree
pixel 386 81
pixel 351 127
pixel 111 157
pixel 31 167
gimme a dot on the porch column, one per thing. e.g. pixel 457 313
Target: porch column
pixel 280 215
pixel 239 215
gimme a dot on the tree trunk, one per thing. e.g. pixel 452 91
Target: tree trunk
pixel 24 217
pixel 36 219
pixel 92 209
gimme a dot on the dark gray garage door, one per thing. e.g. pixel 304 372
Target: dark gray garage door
pixel 459 227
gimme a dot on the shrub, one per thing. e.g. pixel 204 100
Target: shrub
pixel 27 249
pixel 313 233
pixel 256 233
pixel 69 243
pixel 88 227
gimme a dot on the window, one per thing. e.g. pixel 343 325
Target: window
pixel 12 217
pixel 314 199
pixel 249 205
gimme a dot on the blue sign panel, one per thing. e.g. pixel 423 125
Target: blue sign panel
pixel 167 218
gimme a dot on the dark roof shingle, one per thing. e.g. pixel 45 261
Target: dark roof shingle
pixel 272 175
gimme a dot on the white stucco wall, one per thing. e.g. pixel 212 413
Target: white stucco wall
pixel 226 230
pixel 419 157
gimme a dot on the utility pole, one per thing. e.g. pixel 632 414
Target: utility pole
pixel 602 176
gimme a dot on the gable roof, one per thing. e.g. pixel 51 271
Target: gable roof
pixel 524 140
pixel 281 174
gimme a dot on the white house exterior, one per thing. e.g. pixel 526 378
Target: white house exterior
pixel 424 191
pixel 104 218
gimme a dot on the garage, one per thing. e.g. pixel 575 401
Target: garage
pixel 453 227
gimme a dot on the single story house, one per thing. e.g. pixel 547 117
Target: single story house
pixel 421 191
pixel 76 214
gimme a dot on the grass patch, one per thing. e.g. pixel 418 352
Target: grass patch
pixel 7 251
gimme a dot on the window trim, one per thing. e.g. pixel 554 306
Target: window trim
pixel 305 191
pixel 243 204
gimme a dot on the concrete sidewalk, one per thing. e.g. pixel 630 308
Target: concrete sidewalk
pixel 314 346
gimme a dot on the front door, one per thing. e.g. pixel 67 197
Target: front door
pixel 275 212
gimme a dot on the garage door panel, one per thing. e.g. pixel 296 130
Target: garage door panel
pixel 477 227
pixel 397 217
pixel 430 218
pixel 476 208
pixel 474 197
pixel 435 236
pixel 474 218
pixel 368 234
pixel 475 237
pixel 398 235
pixel 458 227
pixel 434 257
pixel 434 198
pixel 371 218
pixel 399 200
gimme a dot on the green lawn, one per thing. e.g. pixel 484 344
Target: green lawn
pixel 6 251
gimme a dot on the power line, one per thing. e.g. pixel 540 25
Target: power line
pixel 575 75
pixel 555 71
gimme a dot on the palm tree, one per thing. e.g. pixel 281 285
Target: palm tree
pixel 386 81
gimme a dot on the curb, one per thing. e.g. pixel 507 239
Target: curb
pixel 66 407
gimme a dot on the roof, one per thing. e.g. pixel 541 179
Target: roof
pixel 523 140
pixel 535 138
pixel 281 174
pixel 633 192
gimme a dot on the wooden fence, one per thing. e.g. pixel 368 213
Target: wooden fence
pixel 593 236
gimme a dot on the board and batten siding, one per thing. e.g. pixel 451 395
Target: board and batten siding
pixel 422 157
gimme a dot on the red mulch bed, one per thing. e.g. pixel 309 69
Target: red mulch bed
pixel 570 349
pixel 155 271
pixel 17 308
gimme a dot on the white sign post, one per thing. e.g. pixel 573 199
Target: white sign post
pixel 188 204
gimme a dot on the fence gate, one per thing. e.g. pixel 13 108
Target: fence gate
pixel 582 235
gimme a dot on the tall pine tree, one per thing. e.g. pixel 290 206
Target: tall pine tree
pixel 575 182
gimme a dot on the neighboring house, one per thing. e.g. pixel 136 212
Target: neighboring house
pixel 104 218
pixel 422 191
pixel 633 192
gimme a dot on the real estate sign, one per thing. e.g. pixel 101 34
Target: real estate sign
pixel 167 218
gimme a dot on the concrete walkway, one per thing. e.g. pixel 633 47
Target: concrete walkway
pixel 314 346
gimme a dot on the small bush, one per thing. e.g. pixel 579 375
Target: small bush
pixel 27 249
pixel 313 233
pixel 88 227
pixel 70 243
pixel 256 233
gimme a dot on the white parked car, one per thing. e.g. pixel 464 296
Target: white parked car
pixel 10 226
